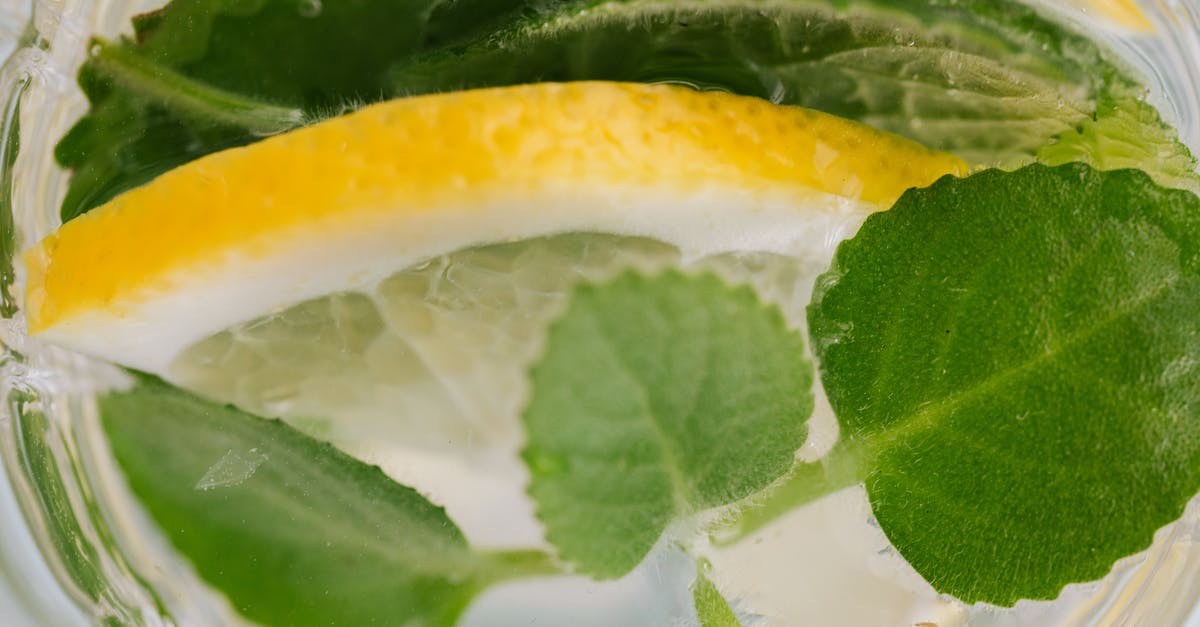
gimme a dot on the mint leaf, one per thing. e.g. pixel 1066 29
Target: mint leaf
pixel 1127 133
pixel 657 397
pixel 292 530
pixel 990 81
pixel 1012 359
pixel 205 75
pixel 711 608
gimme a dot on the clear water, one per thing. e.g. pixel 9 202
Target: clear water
pixel 113 561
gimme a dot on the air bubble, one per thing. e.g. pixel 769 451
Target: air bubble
pixel 232 469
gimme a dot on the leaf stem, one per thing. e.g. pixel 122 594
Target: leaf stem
pixel 842 467
pixel 152 80
pixel 505 565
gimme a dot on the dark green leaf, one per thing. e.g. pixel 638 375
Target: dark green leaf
pixel 657 397
pixel 1013 360
pixel 292 530
pixel 240 60
pixel 991 81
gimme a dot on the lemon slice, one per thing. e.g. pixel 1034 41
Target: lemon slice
pixel 396 265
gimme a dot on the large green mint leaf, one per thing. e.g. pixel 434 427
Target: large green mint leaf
pixel 657 397
pixel 992 81
pixel 292 530
pixel 1013 360
pixel 204 75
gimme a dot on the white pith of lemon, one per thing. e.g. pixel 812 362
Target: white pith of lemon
pixel 207 275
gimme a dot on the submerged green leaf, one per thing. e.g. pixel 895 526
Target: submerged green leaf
pixel 658 397
pixel 1013 360
pixel 205 75
pixel 990 81
pixel 1127 134
pixel 711 608
pixel 294 531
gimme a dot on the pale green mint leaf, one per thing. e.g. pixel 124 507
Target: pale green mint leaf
pixel 294 531
pixel 990 80
pixel 1127 133
pixel 658 397
pixel 711 608
pixel 1013 359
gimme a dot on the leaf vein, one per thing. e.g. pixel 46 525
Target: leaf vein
pixel 930 416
